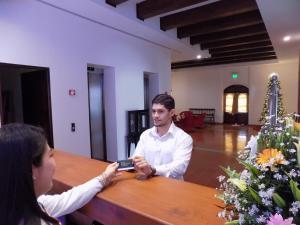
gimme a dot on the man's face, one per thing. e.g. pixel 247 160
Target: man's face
pixel 161 115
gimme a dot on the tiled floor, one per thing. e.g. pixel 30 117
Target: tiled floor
pixel 214 146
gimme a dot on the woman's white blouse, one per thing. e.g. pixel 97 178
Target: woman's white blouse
pixel 71 200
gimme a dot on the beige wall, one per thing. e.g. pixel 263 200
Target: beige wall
pixel 202 87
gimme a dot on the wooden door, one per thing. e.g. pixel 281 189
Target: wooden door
pixel 236 104
pixel 36 100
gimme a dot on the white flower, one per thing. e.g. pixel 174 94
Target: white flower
pixel 295 207
pixel 221 178
pixel 261 219
pixel 222 214
pixel 252 144
pixel 277 176
pixel 293 173
pixel 241 218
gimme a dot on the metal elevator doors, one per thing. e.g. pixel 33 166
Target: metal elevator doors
pixel 96 111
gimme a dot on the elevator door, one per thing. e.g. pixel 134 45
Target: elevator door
pixel 96 108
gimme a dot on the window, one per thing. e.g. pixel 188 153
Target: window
pixel 228 103
pixel 242 103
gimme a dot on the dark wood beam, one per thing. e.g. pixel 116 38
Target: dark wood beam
pixel 210 60
pixel 229 34
pixel 228 23
pixel 198 64
pixel 207 12
pixel 236 41
pixel 253 54
pixel 115 2
pixel 243 52
pixel 241 47
pixel 150 8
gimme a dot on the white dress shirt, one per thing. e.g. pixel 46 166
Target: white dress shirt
pixel 71 200
pixel 169 154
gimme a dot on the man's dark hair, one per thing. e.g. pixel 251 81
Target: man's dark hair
pixel 164 99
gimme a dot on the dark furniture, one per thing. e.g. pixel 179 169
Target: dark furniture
pixel 138 121
pixel 209 114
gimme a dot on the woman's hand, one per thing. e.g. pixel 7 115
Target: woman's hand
pixel 110 172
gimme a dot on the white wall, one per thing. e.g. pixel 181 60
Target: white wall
pixel 202 87
pixel 34 33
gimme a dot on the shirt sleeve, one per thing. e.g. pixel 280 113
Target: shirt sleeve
pixel 181 159
pixel 71 200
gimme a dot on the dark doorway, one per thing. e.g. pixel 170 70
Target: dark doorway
pixel 236 98
pixel 96 111
pixel 25 96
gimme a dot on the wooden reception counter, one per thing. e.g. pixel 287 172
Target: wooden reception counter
pixel 129 201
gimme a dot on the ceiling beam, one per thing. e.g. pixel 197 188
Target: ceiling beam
pixel 236 41
pixel 210 60
pixel 115 2
pixel 207 12
pixel 198 64
pixel 240 47
pixel 229 34
pixel 243 52
pixel 252 54
pixel 150 8
pixel 228 23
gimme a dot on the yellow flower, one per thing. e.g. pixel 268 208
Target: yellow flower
pixel 271 156
pixel 297 126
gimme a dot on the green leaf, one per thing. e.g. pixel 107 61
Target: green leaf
pixel 230 173
pixel 221 197
pixel 298 152
pixel 241 184
pixel 254 195
pixel 295 190
pixel 232 222
pixel 279 200
pixel 255 172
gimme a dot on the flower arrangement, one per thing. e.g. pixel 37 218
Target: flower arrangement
pixel 267 191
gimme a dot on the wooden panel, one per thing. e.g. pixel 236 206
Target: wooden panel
pixel 229 34
pixel 150 8
pixel 240 47
pixel 243 52
pixel 223 24
pixel 207 12
pixel 115 2
pixel 236 41
pixel 156 201
pixel 195 63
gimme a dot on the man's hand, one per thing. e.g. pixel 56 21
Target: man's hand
pixel 142 166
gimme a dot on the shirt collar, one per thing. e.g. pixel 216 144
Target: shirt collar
pixel 171 130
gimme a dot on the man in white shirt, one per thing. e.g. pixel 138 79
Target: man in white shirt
pixel 164 149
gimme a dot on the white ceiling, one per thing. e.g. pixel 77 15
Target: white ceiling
pixel 282 17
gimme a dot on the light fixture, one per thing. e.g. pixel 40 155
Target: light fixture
pixel 199 56
pixel 287 38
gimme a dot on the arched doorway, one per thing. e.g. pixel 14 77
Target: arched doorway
pixel 236 104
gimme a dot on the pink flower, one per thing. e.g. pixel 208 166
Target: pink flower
pixel 278 220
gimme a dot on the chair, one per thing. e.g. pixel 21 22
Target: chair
pixel 199 120
pixel 186 121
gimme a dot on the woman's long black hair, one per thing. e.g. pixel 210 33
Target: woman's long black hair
pixel 21 146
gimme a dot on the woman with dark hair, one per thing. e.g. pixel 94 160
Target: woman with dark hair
pixel 26 170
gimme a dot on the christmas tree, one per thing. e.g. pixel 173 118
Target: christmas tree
pixel 273 82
